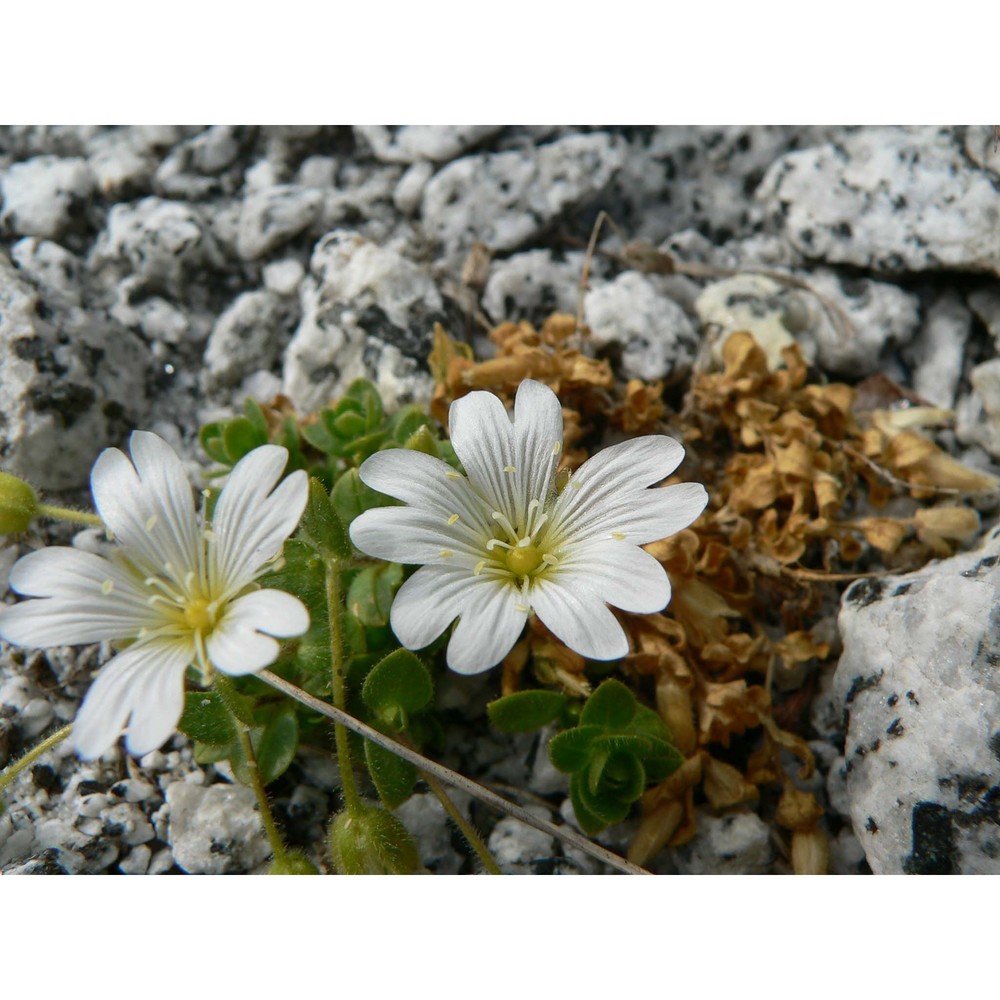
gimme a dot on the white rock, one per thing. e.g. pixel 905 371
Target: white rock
pixel 423 142
pixel 39 195
pixel 505 199
pixel 248 336
pixel 977 415
pixel 985 303
pixel 428 824
pixel 737 843
pixel 283 277
pixel 215 830
pixel 518 848
pixel 939 349
pixel 51 266
pixel 532 285
pixel 919 678
pixel 656 338
pixel 888 199
pixel 137 861
pixel 410 189
pixel 366 312
pixel 272 217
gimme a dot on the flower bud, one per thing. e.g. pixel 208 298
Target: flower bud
pixel 371 841
pixel 293 863
pixel 18 504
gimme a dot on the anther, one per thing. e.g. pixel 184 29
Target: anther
pixel 617 536
pixel 107 586
pixel 446 553
pixel 523 608
pixel 550 560
pixel 453 518
pixel 575 483
pixel 151 522
pixel 557 447
pixel 451 474
pixel 479 567
pixel 509 468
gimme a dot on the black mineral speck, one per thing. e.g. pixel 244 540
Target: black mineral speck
pixel 43 776
pixel 892 700
pixel 89 787
pixel 871 826
pixel 860 684
pixel 896 729
pixel 864 592
pixel 933 841
pixel 994 744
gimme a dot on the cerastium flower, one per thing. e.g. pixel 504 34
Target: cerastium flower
pixel 503 542
pixel 180 587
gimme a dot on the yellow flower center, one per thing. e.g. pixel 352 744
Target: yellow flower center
pixel 523 559
pixel 199 615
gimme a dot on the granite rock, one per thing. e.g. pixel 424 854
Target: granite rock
pixel 411 143
pixel 977 414
pixel 888 199
pixel 270 218
pixel 938 351
pixel 41 196
pixel 533 285
pixel 367 312
pixel 736 843
pixel 920 684
pixel 505 199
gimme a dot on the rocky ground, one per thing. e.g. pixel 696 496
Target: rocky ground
pixel 154 277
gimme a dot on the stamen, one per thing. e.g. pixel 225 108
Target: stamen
pixel 557 447
pixel 208 534
pixel 479 567
pixel 501 519
pixel 533 506
pixel 617 536
pixel 107 586
pixel 509 468
pixel 451 474
pixel 523 608
pixel 158 584
pixel 151 522
pixel 575 483
pixel 453 518
pixel 524 543
pixel 446 553
pixel 494 542
pixel 549 559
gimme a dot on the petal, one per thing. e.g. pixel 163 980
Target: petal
pixel 250 522
pixel 427 603
pixel 237 644
pixel 641 517
pixel 580 619
pixel 148 505
pixel 618 573
pixel 71 606
pixel 483 438
pixel 538 436
pixel 146 681
pixel 490 622
pixel 408 535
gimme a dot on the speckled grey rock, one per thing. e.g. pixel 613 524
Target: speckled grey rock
pixel 215 830
pixel 272 217
pixel 410 143
pixel 985 303
pixel 40 195
pixel 69 385
pixel 520 849
pixel 977 414
pixel 198 167
pixel 162 242
pixel 920 683
pixel 533 285
pixel 366 312
pixel 939 349
pixel 653 333
pixel 433 833
pixel 504 199
pixel 251 334
pixel 736 843
pixel 888 199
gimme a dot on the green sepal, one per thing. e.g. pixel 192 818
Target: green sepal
pixel 369 597
pixel 392 776
pixel 211 439
pixel 206 719
pixel 293 863
pixel 611 706
pixel 570 750
pixel 321 527
pixel 371 841
pixel 525 711
pixel 396 687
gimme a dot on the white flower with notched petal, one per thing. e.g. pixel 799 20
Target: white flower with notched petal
pixel 182 589
pixel 503 542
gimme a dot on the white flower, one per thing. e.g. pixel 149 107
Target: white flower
pixel 183 590
pixel 503 542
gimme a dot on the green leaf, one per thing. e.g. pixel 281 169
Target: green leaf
pixel 611 706
pixel 594 812
pixel 277 744
pixel 318 436
pixel 404 423
pixel 349 426
pixel 321 526
pixel 206 719
pixel 392 776
pixel 350 497
pixel 371 403
pixel 571 750
pixel 646 722
pixel 255 414
pixel 398 686
pixel 525 711
pixel 240 437
pixel 662 761
pixel 621 776
pixel 212 443
pixel 370 594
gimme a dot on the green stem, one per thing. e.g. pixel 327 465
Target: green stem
pixel 352 800
pixel 468 830
pixel 225 688
pixel 450 777
pixel 13 770
pixel 67 514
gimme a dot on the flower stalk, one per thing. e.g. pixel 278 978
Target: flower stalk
pixel 13 770
pixel 55 513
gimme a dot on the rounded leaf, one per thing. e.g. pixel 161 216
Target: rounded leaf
pixel 611 707
pixel 398 686
pixel 571 750
pixel 525 711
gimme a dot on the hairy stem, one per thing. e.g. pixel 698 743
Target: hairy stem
pixel 13 770
pixel 450 777
pixel 352 800
pixel 468 830
pixel 68 514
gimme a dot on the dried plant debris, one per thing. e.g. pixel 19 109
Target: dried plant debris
pixel 808 492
